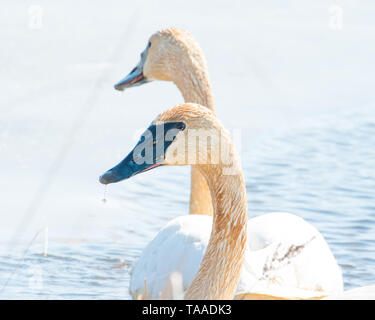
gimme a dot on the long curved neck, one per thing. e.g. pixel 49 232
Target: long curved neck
pixel 193 81
pixel 219 272
pixel 191 77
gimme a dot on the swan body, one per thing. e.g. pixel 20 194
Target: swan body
pixel 286 257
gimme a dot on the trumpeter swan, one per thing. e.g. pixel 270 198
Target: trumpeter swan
pixel 280 255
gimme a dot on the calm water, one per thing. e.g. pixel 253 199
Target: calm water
pixel 323 172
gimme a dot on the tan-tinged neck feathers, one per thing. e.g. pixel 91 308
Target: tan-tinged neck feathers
pixel 219 272
pixel 191 77
pixel 189 73
pixel 184 64
pixel 195 87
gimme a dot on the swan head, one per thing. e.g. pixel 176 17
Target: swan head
pixel 187 134
pixel 166 51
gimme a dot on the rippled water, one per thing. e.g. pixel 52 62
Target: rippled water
pixel 323 172
pixel 326 175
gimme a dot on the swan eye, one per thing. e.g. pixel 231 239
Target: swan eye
pixel 149 44
pixel 181 126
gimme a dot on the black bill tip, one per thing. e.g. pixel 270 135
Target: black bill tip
pixel 103 179
pixel 118 87
pixel 109 177
pixel 135 78
pixel 156 139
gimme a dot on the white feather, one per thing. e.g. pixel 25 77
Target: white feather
pixel 286 257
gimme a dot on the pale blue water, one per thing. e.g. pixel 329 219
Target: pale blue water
pixel 323 172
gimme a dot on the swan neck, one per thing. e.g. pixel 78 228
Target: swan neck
pixel 193 81
pixel 190 75
pixel 200 196
pixel 219 272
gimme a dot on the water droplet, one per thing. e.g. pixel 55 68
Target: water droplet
pixel 104 200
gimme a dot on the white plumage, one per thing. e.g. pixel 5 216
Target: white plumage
pixel 361 293
pixel 178 247
pixel 286 257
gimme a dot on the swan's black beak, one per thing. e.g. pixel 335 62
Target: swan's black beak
pixel 125 169
pixel 147 154
pixel 135 77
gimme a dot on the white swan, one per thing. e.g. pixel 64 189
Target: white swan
pixel 285 256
